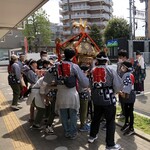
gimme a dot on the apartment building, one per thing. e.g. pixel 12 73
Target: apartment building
pixel 93 11
pixel 57 32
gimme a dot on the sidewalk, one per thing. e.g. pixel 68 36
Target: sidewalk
pixel 16 133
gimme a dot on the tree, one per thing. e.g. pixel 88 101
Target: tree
pixel 117 28
pixel 37 29
pixel 96 35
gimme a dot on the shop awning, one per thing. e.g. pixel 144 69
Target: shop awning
pixel 12 12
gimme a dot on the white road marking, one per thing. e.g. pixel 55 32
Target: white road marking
pixel 51 137
pixel 61 148
pixel 142 94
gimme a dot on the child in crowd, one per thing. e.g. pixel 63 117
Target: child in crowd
pixel 84 94
pixel 128 96
pixel 38 101
pixel 122 56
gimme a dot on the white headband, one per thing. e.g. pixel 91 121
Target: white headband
pixel 102 58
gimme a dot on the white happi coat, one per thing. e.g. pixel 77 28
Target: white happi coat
pixel 35 95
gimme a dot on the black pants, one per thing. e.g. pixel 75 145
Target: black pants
pixel 90 109
pixel 129 107
pixel 109 113
pixel 121 100
pixel 139 86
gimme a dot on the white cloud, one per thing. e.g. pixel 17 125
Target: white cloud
pixel 52 9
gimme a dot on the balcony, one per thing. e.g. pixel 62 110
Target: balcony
pixel 64 18
pixel 106 2
pixel 66 33
pixel 62 11
pixel 104 23
pixel 80 16
pixel 80 8
pixel 67 25
pixel 104 16
pixel 73 1
pixel 104 8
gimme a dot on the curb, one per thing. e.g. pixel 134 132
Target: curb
pixel 138 133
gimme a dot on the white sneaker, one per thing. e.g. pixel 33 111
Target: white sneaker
pixel 49 130
pixel 14 107
pixel 115 147
pixel 36 126
pixel 25 98
pixel 92 139
pixel 18 103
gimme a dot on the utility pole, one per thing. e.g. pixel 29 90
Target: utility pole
pixel 146 19
pixel 130 16
pixel 134 13
pixel 130 43
pixel 69 12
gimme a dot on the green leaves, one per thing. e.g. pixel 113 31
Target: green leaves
pixel 96 35
pixel 38 26
pixel 116 28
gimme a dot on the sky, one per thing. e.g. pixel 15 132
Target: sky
pixel 120 9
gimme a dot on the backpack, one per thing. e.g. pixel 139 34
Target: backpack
pixel 69 80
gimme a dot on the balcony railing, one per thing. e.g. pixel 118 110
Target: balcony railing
pixel 105 16
pixel 104 23
pixel 105 8
pixel 66 25
pixel 80 8
pixel 74 1
pixel 80 16
pixel 66 33
pixel 108 2
pixel 61 11
pixel 64 18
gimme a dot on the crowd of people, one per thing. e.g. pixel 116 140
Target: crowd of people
pixel 67 90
